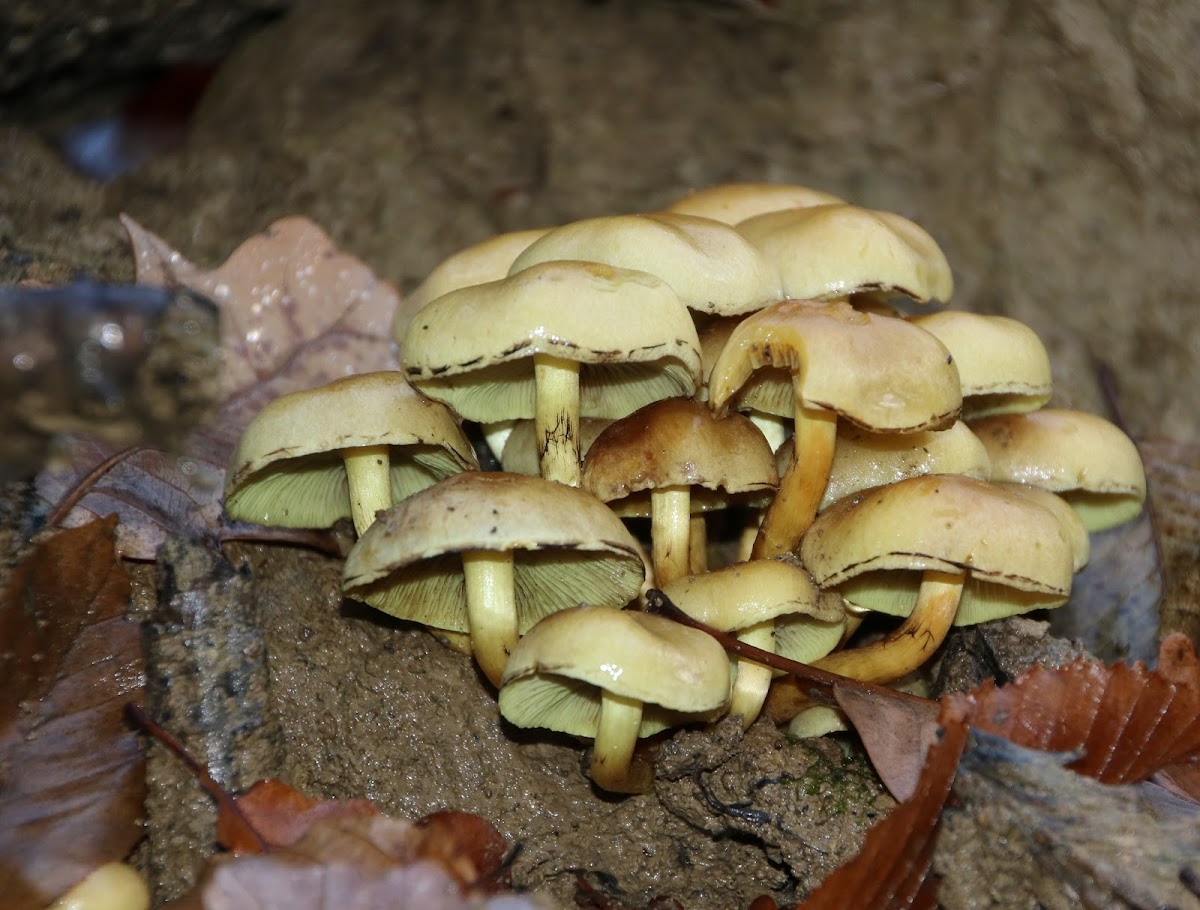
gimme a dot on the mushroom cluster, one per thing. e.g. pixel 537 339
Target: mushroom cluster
pixel 730 399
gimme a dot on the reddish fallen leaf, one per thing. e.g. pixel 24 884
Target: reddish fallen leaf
pixel 295 313
pixel 1127 720
pixel 896 735
pixel 71 772
pixel 281 815
pixel 342 861
pixel 467 846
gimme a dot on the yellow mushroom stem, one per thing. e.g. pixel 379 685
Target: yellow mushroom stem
pixel 616 738
pixel 670 527
pixel 491 608
pixel 803 484
pixel 369 478
pixel 753 679
pixel 556 417
pixel 112 886
pixel 907 647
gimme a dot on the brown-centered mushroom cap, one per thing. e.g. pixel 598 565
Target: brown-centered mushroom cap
pixel 289 467
pixel 1002 364
pixel 1086 459
pixel 488 260
pixel 874 545
pixel 832 251
pixel 709 265
pixel 732 203
pixel 678 441
pixel 645 672
pixel 673 458
pixel 863 459
pixel 565 548
pixel 555 342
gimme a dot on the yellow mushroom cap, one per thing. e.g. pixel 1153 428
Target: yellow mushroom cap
pixel 569 548
pixel 710 266
pixel 747 593
pixel 874 545
pixel 832 251
pixel 286 470
pixel 1086 459
pixel 473 348
pixel 863 459
pixel 678 442
pixel 732 203
pixel 881 373
pixel 555 673
pixel 488 260
pixel 1068 518
pixel 1002 364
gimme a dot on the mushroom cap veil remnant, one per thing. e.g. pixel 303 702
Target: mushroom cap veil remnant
pixel 614 675
pixel 543 545
pixel 289 467
pixel 827 252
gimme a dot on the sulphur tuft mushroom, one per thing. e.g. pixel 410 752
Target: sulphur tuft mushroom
pixel 1087 460
pixel 490 554
pixel 771 604
pixel 938 550
pixel 833 252
pixel 877 372
pixel 343 450
pixel 614 676
pixel 673 458
pixel 554 342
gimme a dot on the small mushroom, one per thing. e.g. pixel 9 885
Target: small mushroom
pixel 878 372
pixel 732 203
pixel 937 550
pixel 831 252
pixel 614 676
pixel 346 449
pixel 710 266
pixel 554 342
pixel 111 886
pixel 490 554
pixel 673 458
pixel 1086 459
pixel 770 604
pixel 520 452
pixel 1002 364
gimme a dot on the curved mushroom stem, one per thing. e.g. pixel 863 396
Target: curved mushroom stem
pixel 802 485
pixel 616 737
pixel 369 477
pixel 670 526
pixel 753 679
pixel 556 417
pixel 906 648
pixel 491 608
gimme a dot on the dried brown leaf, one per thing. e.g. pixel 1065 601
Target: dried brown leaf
pixel 896 735
pixel 1127 721
pixel 295 313
pixel 71 772
pixel 281 815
